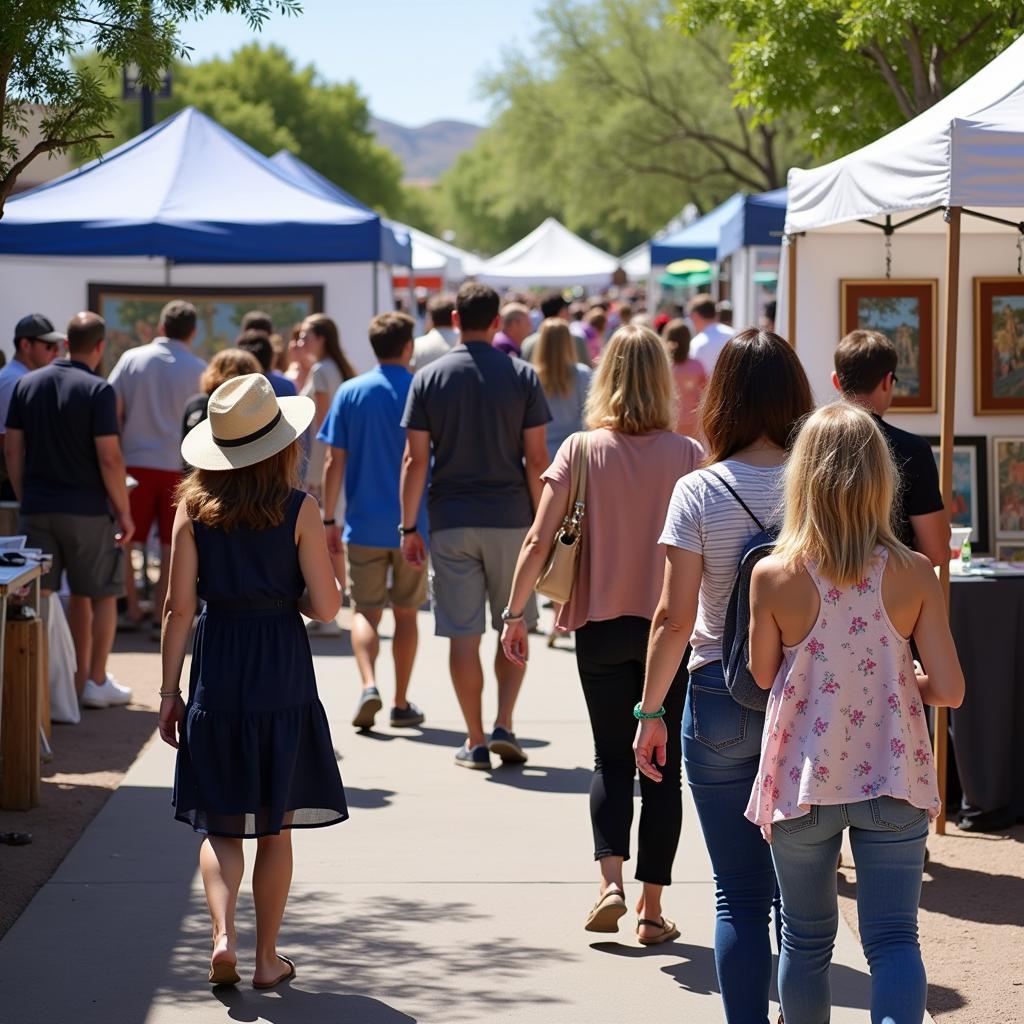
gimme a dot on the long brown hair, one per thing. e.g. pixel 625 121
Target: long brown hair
pixel 758 389
pixel 555 357
pixel 253 498
pixel 227 363
pixel 327 330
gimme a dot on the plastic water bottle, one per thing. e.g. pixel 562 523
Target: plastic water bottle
pixel 965 556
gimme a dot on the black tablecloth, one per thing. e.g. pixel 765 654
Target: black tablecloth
pixel 987 619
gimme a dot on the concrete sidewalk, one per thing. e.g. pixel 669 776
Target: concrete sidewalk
pixel 450 896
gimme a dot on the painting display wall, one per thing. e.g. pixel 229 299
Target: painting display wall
pixel 969 506
pixel 904 311
pixel 998 345
pixel 132 312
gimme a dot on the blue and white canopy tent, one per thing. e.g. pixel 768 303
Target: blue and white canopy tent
pixel 187 203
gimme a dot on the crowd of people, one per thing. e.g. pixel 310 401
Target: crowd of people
pixel 276 480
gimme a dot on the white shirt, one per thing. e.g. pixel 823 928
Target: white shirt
pixel 707 345
pixel 9 376
pixel 435 343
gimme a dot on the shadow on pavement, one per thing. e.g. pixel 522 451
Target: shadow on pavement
pixel 368 799
pixel 453 738
pixel 291 1005
pixel 541 779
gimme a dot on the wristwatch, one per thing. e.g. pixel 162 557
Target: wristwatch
pixel 507 616
pixel 330 522
pixel 404 530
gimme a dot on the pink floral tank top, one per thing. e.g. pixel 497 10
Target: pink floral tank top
pixel 845 721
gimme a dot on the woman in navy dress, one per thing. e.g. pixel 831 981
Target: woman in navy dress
pixel 255 757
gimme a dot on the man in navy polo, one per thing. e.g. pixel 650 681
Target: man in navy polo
pixel 366 440
pixel 65 463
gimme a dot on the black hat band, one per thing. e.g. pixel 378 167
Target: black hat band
pixel 237 442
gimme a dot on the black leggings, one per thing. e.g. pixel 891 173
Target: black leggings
pixel 611 657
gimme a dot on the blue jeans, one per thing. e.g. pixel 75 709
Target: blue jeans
pixel 721 749
pixel 888 838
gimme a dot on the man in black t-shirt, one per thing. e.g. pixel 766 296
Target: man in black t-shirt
pixel 865 373
pixel 64 458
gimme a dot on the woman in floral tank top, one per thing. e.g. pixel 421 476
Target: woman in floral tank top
pixel 845 741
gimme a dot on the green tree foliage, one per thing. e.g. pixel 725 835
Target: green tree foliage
pixel 38 39
pixel 851 70
pixel 614 123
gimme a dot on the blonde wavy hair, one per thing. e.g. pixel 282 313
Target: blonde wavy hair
pixel 632 390
pixel 555 357
pixel 840 489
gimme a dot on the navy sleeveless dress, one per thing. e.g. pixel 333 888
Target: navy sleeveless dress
pixel 256 754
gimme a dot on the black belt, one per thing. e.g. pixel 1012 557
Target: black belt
pixel 254 604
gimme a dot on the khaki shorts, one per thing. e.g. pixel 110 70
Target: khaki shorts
pixel 82 546
pixel 471 566
pixel 368 578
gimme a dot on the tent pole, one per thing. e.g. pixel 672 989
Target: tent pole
pixel 376 290
pixel 946 466
pixel 791 289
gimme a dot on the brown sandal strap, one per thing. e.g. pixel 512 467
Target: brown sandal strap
pixel 653 924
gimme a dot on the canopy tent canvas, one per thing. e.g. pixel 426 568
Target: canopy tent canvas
pixel 186 204
pixel 549 255
pixel 964 156
pixel 697 240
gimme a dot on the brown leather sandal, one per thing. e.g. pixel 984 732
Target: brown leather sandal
pixel 605 913
pixel 668 931
pixel 287 976
pixel 224 972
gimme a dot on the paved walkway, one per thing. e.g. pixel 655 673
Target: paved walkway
pixel 449 896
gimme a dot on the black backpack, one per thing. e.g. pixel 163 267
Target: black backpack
pixel 736 635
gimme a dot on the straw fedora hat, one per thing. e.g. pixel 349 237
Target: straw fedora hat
pixel 246 423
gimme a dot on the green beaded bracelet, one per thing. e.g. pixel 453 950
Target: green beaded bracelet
pixel 638 712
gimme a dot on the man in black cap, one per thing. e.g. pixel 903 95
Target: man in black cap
pixel 36 344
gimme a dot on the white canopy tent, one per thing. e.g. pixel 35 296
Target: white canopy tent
pixel 549 255
pixel 955 172
pixel 433 255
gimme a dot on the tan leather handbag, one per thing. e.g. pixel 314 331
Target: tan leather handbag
pixel 559 575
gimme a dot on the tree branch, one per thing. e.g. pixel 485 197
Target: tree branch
pixel 44 146
pixel 874 53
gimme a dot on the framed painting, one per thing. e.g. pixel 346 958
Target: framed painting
pixel 905 312
pixel 970 486
pixel 1008 458
pixel 1010 553
pixel 998 345
pixel 132 312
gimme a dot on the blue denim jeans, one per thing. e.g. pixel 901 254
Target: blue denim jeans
pixel 888 838
pixel 721 749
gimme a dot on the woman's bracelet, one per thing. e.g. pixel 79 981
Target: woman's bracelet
pixel 638 712
pixel 170 693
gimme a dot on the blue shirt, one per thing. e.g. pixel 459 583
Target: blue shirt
pixel 283 387
pixel 365 420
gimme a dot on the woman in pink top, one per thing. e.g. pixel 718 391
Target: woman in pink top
pixel 633 462
pixel 845 742
pixel 689 375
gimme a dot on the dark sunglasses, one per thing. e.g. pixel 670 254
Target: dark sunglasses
pixel 10 559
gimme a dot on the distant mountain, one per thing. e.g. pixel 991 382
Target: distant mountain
pixel 426 152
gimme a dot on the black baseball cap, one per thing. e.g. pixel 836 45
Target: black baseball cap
pixel 38 328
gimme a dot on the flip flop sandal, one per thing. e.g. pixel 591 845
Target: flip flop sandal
pixel 224 972
pixel 668 931
pixel 287 976
pixel 604 915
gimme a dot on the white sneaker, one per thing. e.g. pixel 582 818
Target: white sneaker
pixel 109 693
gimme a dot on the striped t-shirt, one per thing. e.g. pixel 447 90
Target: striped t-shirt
pixel 705 518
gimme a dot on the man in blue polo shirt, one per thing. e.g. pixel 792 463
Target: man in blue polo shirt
pixel 365 439
pixel 64 458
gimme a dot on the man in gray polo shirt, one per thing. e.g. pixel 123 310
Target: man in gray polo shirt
pixel 153 383
pixel 482 415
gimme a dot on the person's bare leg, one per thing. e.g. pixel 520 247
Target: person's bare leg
pixel 468 679
pixel 366 643
pixel 649 909
pixel 271 880
pixel 80 624
pixel 403 650
pixel 104 629
pixel 611 874
pixel 222 861
pixel 510 680
pixel 133 610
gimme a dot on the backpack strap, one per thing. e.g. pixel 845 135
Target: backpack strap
pixel 725 483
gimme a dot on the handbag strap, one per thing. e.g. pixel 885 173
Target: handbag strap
pixel 725 483
pixel 577 484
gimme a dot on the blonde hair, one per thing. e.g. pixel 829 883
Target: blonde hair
pixel 227 363
pixel 555 357
pixel 632 390
pixel 840 489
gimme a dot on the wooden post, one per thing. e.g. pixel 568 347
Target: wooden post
pixel 948 410
pixel 791 289
pixel 19 786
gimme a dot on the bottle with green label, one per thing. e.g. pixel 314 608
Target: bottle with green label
pixel 965 556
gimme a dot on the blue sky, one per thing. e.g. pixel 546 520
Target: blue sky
pixel 415 60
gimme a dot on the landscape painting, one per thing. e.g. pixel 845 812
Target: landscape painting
pixel 969 505
pixel 998 345
pixel 904 311
pixel 1009 486
pixel 132 312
